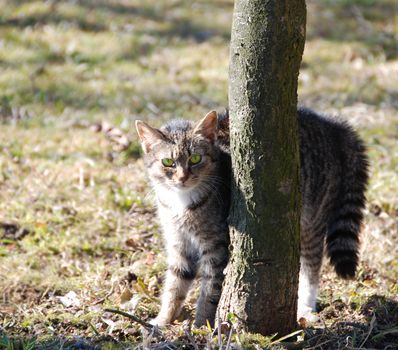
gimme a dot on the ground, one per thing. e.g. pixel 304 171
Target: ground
pixel 78 230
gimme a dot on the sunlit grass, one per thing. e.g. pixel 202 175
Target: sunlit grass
pixel 68 66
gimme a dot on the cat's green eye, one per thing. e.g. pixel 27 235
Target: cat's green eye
pixel 195 159
pixel 167 162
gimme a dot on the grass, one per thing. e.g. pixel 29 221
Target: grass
pixel 76 213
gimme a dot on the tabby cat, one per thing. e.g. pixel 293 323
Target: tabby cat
pixel 190 167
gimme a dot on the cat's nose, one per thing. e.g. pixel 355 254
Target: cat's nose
pixel 182 176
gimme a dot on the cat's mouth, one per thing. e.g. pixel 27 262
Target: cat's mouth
pixel 183 186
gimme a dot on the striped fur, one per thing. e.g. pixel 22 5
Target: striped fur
pixel 334 174
pixel 193 204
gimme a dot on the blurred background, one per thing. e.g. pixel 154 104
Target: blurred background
pixel 77 227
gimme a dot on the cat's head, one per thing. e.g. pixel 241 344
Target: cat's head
pixel 182 154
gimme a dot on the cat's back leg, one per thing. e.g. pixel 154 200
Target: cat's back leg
pixel 312 245
pixel 213 262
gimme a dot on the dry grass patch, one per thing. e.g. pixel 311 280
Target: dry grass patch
pixel 78 230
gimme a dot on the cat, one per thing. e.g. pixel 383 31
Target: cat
pixel 189 167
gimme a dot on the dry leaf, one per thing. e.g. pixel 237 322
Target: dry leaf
pixel 132 242
pixel 153 284
pixel 125 296
pixel 303 322
pixel 150 258
pixel 70 299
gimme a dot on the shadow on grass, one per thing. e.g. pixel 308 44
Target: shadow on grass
pixel 187 30
pixel 365 21
pixel 121 8
pixel 181 28
pixel 75 343
pixel 380 331
pixel 52 18
pixel 384 312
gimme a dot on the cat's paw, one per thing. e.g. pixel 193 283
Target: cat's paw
pixel 159 322
pixel 307 313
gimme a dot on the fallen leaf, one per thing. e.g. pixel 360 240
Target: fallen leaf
pixel 153 284
pixel 132 242
pixel 150 258
pixel 131 276
pixel 111 325
pixel 13 231
pixel 70 299
pixel 125 296
pixel 303 322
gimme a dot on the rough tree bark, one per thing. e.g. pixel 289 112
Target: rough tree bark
pixel 262 276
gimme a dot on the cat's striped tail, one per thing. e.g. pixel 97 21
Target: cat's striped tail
pixel 342 239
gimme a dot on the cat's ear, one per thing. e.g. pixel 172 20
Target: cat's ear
pixel 207 127
pixel 149 136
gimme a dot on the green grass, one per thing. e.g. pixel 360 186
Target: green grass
pixel 72 70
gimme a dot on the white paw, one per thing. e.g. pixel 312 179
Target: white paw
pixel 307 313
pixel 159 321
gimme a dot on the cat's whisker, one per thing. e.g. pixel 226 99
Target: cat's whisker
pixel 213 189
pixel 215 181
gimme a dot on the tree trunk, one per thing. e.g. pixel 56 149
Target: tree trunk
pixel 262 276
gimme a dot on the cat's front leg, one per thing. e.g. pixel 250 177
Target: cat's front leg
pixel 213 264
pixel 179 277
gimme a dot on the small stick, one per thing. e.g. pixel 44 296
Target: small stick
pixel 227 347
pixel 132 317
pixel 371 326
pixel 191 339
pixel 219 330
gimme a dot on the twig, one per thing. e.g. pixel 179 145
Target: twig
pixel 208 341
pixel 191 339
pixel 132 317
pixel 227 347
pixel 352 324
pixel 318 345
pixel 219 330
pixel 372 324
pixel 294 345
pixel 286 337
pixel 101 300
pixel 44 294
pixel 94 329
